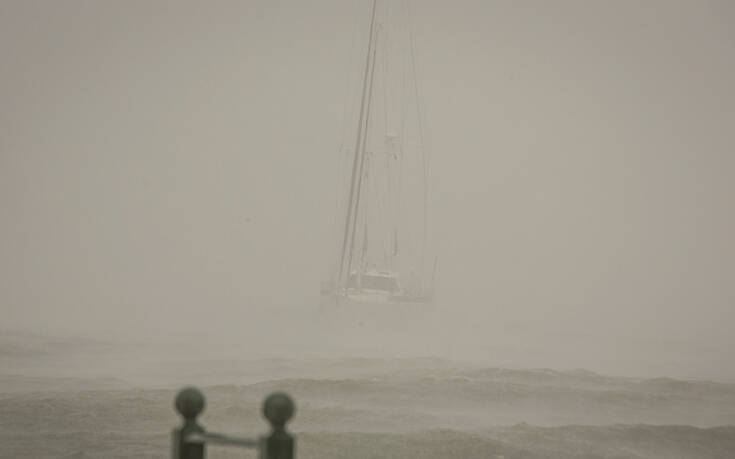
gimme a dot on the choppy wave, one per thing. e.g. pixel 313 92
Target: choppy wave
pixel 361 408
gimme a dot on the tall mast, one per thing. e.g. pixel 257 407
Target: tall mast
pixel 361 170
pixel 358 160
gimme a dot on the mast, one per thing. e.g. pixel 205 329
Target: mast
pixel 361 172
pixel 359 158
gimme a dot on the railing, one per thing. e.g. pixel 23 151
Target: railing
pixel 189 440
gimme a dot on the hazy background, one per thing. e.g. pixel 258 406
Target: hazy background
pixel 170 166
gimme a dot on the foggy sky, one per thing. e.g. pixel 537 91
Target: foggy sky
pixel 158 159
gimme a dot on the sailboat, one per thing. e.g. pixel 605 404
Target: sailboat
pixel 382 250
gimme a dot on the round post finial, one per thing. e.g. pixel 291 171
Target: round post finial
pixel 278 408
pixel 189 403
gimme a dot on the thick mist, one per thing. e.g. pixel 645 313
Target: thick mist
pixel 168 171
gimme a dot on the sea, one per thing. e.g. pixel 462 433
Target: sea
pixel 65 396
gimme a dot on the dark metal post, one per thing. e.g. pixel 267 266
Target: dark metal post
pixel 278 409
pixel 190 439
pixel 190 404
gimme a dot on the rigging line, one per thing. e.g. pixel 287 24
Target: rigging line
pixel 391 211
pixel 386 53
pixel 421 131
pixel 376 185
pixel 352 208
pixel 386 124
pixel 350 102
pixel 385 209
pixel 365 216
pixel 362 160
pixel 389 192
pixel 404 92
pixel 353 82
pixel 402 130
pixel 393 104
